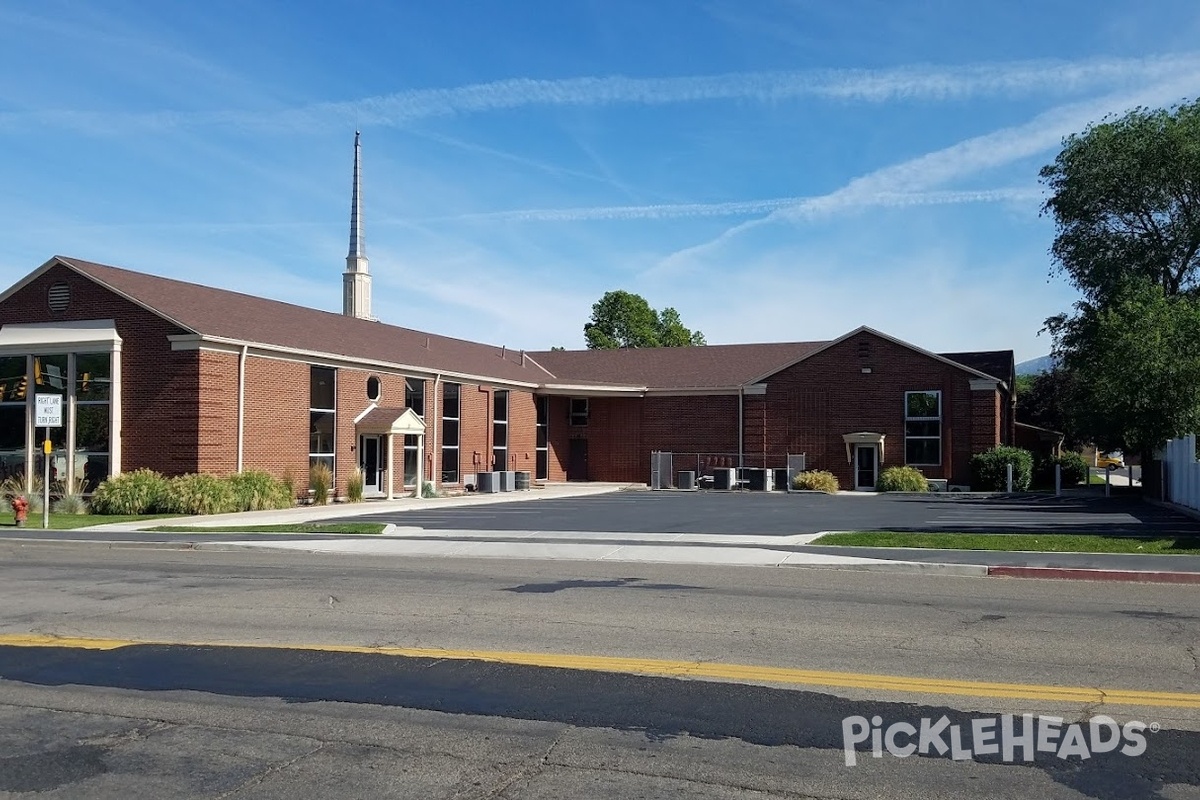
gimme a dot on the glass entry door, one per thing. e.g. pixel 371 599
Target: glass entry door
pixel 864 466
pixel 371 461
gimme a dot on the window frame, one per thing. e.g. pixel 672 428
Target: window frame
pixel 314 456
pixel 500 451
pixel 923 437
pixel 541 464
pixel 451 449
pixel 579 419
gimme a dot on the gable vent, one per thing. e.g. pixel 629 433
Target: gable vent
pixel 59 297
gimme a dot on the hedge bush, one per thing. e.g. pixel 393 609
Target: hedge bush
pixel 1075 470
pixel 255 490
pixel 198 493
pixel 816 479
pixel 142 491
pixel 989 473
pixel 902 479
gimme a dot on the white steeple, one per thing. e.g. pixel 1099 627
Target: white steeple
pixel 356 280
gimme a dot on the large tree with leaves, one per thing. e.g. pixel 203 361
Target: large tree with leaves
pixel 1126 205
pixel 622 319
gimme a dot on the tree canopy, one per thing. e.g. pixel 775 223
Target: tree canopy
pixel 621 319
pixel 1126 204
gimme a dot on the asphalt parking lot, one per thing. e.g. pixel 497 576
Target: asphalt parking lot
pixel 782 514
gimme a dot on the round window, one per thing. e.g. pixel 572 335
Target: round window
pixel 373 388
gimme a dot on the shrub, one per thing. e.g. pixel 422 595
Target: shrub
pixel 1074 470
pixel 137 492
pixel 289 484
pixel 354 485
pixel 816 479
pixel 320 480
pixel 902 479
pixel 199 494
pixel 989 473
pixel 429 492
pixel 255 490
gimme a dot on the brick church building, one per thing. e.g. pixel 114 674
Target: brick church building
pixel 180 377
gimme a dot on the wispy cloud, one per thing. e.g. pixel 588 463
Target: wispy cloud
pixel 917 82
pixel 738 208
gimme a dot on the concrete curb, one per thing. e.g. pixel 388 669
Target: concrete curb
pixel 1084 574
pixel 912 567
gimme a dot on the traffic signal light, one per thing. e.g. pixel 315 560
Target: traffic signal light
pixel 85 382
pixel 20 389
pixel 37 371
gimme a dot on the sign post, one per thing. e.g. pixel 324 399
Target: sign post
pixel 49 415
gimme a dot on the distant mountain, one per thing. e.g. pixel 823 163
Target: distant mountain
pixel 1035 365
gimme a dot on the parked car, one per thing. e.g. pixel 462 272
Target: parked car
pixel 1109 461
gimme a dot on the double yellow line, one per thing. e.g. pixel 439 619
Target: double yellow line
pixel 740 673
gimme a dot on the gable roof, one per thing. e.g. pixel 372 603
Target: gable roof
pixel 711 366
pixel 999 364
pixel 243 318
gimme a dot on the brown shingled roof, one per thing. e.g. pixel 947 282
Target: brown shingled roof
pixel 711 366
pixel 245 318
pixel 997 363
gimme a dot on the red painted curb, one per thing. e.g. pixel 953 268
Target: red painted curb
pixel 1076 574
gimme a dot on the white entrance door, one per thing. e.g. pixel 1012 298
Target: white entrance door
pixel 866 467
pixel 371 459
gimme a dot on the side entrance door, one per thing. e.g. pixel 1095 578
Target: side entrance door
pixel 577 460
pixel 865 467
pixel 372 466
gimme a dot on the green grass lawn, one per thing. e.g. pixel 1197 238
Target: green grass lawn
pixel 63 522
pixel 1044 542
pixel 307 527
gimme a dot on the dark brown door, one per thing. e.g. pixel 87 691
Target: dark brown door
pixel 577 460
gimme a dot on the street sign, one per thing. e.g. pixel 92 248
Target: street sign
pixel 49 411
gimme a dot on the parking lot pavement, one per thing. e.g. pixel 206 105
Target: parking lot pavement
pixel 781 514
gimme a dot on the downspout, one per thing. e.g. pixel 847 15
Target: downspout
pixel 434 472
pixel 741 424
pixel 241 417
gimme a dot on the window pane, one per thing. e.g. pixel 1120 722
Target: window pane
pixel 924 404
pixel 499 459
pixel 320 432
pixel 541 436
pixel 410 440
pixel 543 465
pixel 929 428
pixel 414 395
pixel 12 428
pixel 500 434
pixel 373 388
pixel 450 432
pixel 50 374
pixel 450 400
pixel 13 382
pixel 91 427
pixel 923 451
pixel 91 469
pixel 449 465
pixel 410 466
pixel 500 405
pixel 93 376
pixel 543 409
pixel 326 460
pixel 321 388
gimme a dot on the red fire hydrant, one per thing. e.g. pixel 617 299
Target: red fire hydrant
pixel 20 507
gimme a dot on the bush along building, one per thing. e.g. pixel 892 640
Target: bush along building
pixel 178 377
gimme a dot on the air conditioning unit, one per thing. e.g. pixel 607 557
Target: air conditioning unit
pixel 937 484
pixel 958 487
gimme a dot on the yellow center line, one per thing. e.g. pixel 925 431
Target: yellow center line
pixel 682 669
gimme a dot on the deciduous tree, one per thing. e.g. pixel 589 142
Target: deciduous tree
pixel 622 319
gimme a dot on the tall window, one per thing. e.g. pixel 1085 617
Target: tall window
pixel 500 430
pixel 93 398
pixel 322 416
pixel 414 398
pixel 543 437
pixel 14 388
pixel 579 411
pixel 50 376
pixel 923 428
pixel 451 409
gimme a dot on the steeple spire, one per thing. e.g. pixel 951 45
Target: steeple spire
pixel 356 280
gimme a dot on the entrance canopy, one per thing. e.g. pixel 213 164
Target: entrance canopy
pixel 396 421
pixel 862 437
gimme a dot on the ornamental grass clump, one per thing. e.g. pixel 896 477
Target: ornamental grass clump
pixel 354 485
pixel 142 491
pixel 255 490
pixel 200 494
pixel 320 481
pixel 818 480
pixel 902 479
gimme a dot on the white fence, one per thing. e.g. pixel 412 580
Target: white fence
pixel 1182 472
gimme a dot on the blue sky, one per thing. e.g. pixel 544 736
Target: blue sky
pixel 774 169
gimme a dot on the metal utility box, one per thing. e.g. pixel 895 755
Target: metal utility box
pixel 487 482
pixel 687 480
pixel 725 478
